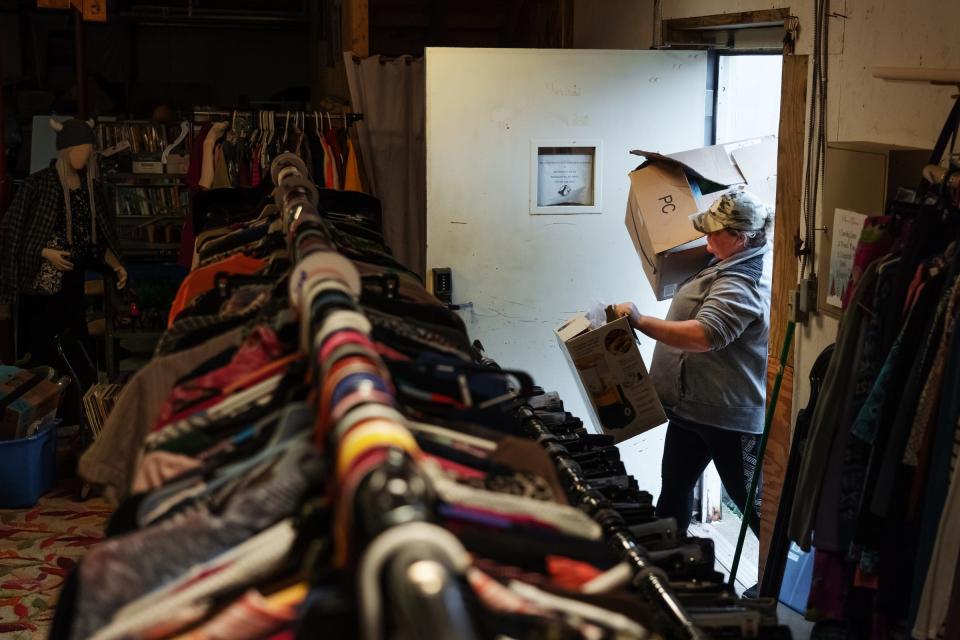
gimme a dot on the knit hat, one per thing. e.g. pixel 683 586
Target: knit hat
pixel 740 210
pixel 73 132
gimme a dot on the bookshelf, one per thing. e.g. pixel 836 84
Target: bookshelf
pixel 150 209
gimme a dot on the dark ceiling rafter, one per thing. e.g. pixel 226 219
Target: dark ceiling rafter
pixel 215 13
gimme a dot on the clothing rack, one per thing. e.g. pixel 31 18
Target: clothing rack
pixel 405 513
pixel 347 118
pixel 421 561
pixel 651 580
pixel 424 546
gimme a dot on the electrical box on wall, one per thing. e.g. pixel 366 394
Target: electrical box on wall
pixel 443 284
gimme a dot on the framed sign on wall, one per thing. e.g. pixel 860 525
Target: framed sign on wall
pixel 565 176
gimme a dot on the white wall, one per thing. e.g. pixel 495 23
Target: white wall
pixel 527 274
pixel 875 33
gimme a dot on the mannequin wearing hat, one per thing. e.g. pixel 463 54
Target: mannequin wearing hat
pixel 57 226
pixel 709 364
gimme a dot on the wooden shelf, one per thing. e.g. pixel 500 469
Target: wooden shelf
pixel 176 215
pixel 123 334
pixel 918 74
pixel 114 177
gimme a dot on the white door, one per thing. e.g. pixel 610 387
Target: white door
pixel 526 274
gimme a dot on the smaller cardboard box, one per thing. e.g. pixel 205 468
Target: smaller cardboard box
pixel 667 189
pixel 38 402
pixel 178 164
pixel 613 378
pixel 24 398
pixel 147 166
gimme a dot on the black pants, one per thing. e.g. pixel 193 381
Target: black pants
pixel 42 317
pixel 688 449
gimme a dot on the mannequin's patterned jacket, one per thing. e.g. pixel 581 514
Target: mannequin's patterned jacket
pixel 28 225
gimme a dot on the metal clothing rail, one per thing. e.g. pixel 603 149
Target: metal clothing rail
pixel 418 565
pixel 347 118
pixel 652 581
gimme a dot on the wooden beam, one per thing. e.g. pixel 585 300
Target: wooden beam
pixel 793 102
pixel 79 48
pixel 793 99
pixel 767 17
pixel 707 30
pixel 918 74
pixel 356 27
pixel 566 24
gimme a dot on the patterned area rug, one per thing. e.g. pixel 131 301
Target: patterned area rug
pixel 38 548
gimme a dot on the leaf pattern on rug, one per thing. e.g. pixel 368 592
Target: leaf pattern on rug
pixel 38 549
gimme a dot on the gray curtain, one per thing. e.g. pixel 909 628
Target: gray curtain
pixel 390 92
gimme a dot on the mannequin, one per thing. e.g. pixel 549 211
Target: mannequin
pixel 57 226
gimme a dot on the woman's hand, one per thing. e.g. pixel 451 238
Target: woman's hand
pixel 58 258
pixel 118 269
pixel 629 310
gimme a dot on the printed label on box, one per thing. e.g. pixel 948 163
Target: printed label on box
pixel 614 379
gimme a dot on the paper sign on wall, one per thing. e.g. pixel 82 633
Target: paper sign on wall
pixel 847 226
pixel 565 179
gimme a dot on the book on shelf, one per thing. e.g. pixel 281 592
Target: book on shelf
pixel 132 202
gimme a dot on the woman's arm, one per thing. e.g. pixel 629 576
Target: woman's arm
pixel 686 335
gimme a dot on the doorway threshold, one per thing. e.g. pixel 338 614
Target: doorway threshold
pixel 724 533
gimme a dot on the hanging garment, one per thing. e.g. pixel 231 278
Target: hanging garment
pixel 221 173
pixel 826 416
pixel 941 468
pixel 330 177
pixel 930 396
pixel 112 458
pixel 905 411
pixel 876 240
pixel 332 139
pixel 203 279
pixel 351 180
pixel 935 600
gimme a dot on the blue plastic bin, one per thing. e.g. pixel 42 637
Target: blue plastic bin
pixel 797 578
pixel 27 468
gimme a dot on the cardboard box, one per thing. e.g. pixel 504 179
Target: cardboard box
pixel 147 166
pixel 24 399
pixel 613 378
pixel 37 403
pixel 667 189
pixel 178 164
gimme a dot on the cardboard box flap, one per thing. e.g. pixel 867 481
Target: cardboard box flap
pixel 758 164
pixel 712 163
pixel 709 164
pixel 719 164
pixel 573 327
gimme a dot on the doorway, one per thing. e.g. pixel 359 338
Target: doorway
pixel 747 89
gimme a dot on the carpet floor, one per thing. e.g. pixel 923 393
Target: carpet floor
pixel 38 548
